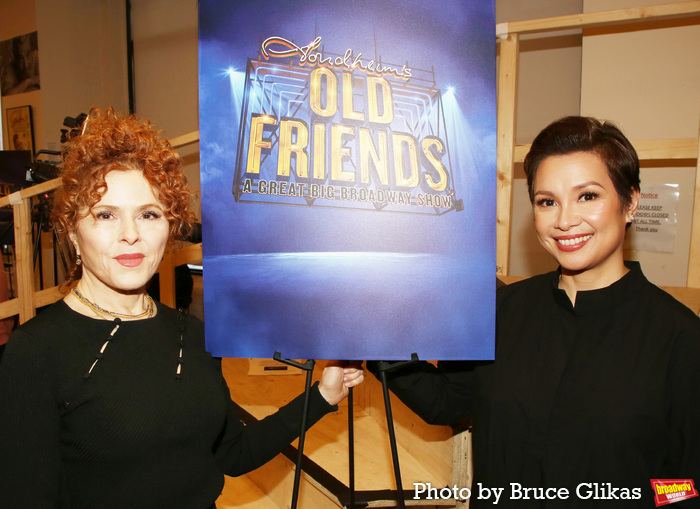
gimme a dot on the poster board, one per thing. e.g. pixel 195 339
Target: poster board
pixel 348 159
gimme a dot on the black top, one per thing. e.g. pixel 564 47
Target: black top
pixel 603 392
pixel 93 417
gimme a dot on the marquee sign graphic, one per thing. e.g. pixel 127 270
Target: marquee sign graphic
pixel 348 178
pixel 332 130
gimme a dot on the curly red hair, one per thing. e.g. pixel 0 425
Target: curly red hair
pixel 110 142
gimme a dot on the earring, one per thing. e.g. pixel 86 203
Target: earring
pixel 78 261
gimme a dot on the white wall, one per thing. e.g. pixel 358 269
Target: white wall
pixel 82 57
pixel 549 87
pixel 18 18
pixel 166 72
pixel 648 82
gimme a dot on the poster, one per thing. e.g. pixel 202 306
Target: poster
pixel 348 175
pixel 20 130
pixel 19 64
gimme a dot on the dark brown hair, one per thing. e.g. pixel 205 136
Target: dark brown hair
pixel 110 142
pixel 587 134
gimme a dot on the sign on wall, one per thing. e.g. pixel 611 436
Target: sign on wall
pixel 348 158
pixel 654 225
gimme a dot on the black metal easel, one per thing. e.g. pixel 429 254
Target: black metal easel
pixel 383 368
pixel 307 366
pixel 351 452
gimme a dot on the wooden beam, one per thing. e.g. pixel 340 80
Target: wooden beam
pixel 166 280
pixel 694 256
pixel 603 18
pixel 685 148
pixel 189 254
pixel 24 263
pixel 647 150
pixel 462 464
pixel 166 270
pixel 30 192
pixel 48 296
pixel 184 139
pixel 507 99
pixel 9 308
pixel 50 185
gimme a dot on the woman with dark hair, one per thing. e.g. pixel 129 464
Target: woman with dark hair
pixel 595 367
pixel 107 398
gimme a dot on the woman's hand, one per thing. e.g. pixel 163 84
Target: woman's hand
pixel 338 377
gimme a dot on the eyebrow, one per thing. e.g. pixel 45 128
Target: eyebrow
pixel 577 187
pixel 587 184
pixel 140 209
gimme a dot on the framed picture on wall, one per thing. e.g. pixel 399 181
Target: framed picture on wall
pixel 20 129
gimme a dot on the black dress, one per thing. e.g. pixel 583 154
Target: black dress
pixel 599 398
pixel 96 417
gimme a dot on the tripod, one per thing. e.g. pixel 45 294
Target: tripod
pixel 41 222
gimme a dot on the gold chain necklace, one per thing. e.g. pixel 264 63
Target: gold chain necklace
pixel 111 314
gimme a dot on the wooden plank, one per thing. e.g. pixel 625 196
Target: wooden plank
pixel 50 185
pixel 24 260
pixel 647 150
pixel 462 464
pixel 519 153
pixel 30 192
pixel 242 493
pixel 276 479
pixel 688 296
pixel 507 99
pixel 166 270
pixel 188 254
pixel 602 18
pixel 184 139
pixel 166 280
pixel 48 296
pixel 9 308
pixel 694 256
pixel 683 148
pixel 511 279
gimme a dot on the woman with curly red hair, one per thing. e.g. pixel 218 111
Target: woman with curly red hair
pixel 107 398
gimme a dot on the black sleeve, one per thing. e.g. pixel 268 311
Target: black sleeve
pixel 441 394
pixel 242 448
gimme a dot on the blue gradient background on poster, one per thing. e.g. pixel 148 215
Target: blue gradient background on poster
pixel 314 282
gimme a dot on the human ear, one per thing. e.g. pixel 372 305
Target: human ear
pixel 74 240
pixel 634 204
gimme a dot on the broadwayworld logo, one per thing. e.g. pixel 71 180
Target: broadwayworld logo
pixel 668 491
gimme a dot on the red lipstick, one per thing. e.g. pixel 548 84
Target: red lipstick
pixel 571 243
pixel 130 259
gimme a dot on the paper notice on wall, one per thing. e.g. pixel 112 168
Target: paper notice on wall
pixel 654 226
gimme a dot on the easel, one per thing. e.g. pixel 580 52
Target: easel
pixel 384 367
pixel 308 366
